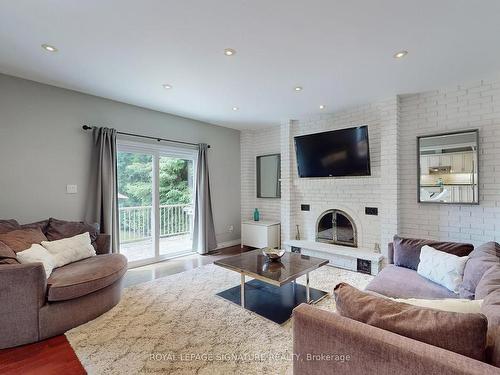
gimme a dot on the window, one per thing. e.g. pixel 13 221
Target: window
pixel 155 200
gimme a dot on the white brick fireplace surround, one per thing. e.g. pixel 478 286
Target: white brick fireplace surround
pixel 393 126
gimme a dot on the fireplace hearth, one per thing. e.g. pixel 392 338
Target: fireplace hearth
pixel 336 227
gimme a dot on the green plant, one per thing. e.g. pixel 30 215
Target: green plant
pixel 135 176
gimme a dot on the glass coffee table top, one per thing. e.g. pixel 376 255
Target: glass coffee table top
pixel 255 264
pixel 273 293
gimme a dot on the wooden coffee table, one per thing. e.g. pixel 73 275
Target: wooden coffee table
pixel 273 293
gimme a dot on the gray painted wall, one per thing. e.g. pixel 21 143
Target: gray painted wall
pixel 43 148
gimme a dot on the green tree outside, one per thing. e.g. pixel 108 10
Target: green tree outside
pixel 135 176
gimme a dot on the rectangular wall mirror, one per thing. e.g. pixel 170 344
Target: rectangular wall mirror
pixel 448 168
pixel 268 176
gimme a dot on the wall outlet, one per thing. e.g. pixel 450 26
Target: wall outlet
pixel 230 228
pixel 71 189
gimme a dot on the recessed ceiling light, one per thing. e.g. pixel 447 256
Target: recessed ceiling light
pixel 298 88
pixel 48 47
pixel 229 52
pixel 321 106
pixel 166 86
pixel 400 54
pixel 235 108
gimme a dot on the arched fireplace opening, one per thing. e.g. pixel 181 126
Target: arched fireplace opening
pixel 336 227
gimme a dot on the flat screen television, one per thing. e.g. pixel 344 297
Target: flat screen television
pixel 336 153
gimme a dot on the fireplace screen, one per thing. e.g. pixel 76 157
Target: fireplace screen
pixel 336 227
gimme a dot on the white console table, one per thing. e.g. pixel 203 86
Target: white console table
pixel 260 233
pixel 339 256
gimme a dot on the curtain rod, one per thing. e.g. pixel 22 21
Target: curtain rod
pixel 86 127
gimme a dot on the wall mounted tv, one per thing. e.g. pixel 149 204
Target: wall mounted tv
pixel 337 153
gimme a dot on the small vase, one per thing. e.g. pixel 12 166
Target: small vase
pixel 256 215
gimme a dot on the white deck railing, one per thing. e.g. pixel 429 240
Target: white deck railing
pixel 136 222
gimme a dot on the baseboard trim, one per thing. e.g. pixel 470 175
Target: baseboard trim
pixel 223 245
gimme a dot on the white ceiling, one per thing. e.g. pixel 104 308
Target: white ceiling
pixel 339 51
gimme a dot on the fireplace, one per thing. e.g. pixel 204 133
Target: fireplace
pixel 336 227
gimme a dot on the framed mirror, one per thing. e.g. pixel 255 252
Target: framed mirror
pixel 448 168
pixel 268 176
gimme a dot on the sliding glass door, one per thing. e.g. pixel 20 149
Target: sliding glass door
pixel 155 200
pixel 135 204
pixel 176 204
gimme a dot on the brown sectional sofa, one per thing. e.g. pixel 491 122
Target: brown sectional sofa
pixel 318 333
pixel 34 308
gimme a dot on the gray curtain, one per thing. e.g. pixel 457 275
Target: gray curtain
pixel 103 206
pixel 204 230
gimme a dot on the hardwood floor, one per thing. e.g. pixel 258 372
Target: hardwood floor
pixel 55 355
pixel 52 356
pixel 155 271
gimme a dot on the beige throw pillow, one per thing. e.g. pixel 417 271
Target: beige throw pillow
pixel 37 253
pixel 442 268
pixel 69 250
pixel 446 304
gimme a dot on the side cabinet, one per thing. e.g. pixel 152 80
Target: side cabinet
pixel 260 234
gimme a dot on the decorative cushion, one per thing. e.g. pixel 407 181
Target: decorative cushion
pixel 489 283
pixel 7 255
pixel 407 250
pixel 22 239
pixel 8 225
pixel 481 259
pixel 59 229
pixel 69 250
pixel 43 225
pixel 446 304
pixel 37 253
pixel 388 283
pixel 491 309
pixel 462 333
pixel 85 276
pixel 442 268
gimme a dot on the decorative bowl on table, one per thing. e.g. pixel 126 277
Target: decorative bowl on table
pixel 272 268
pixel 273 254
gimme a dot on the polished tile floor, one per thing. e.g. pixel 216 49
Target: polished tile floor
pixel 169 267
pixel 139 250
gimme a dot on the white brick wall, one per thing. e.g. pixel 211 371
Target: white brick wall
pixel 352 194
pixel 470 106
pixel 254 143
pixel 393 126
pixel 287 173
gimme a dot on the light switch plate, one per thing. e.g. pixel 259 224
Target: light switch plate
pixel 71 189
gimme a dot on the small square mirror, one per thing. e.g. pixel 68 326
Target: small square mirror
pixel 448 168
pixel 268 176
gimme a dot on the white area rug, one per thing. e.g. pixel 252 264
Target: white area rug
pixel 177 325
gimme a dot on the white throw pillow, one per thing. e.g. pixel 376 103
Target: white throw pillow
pixel 37 253
pixel 446 304
pixel 442 268
pixel 69 250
